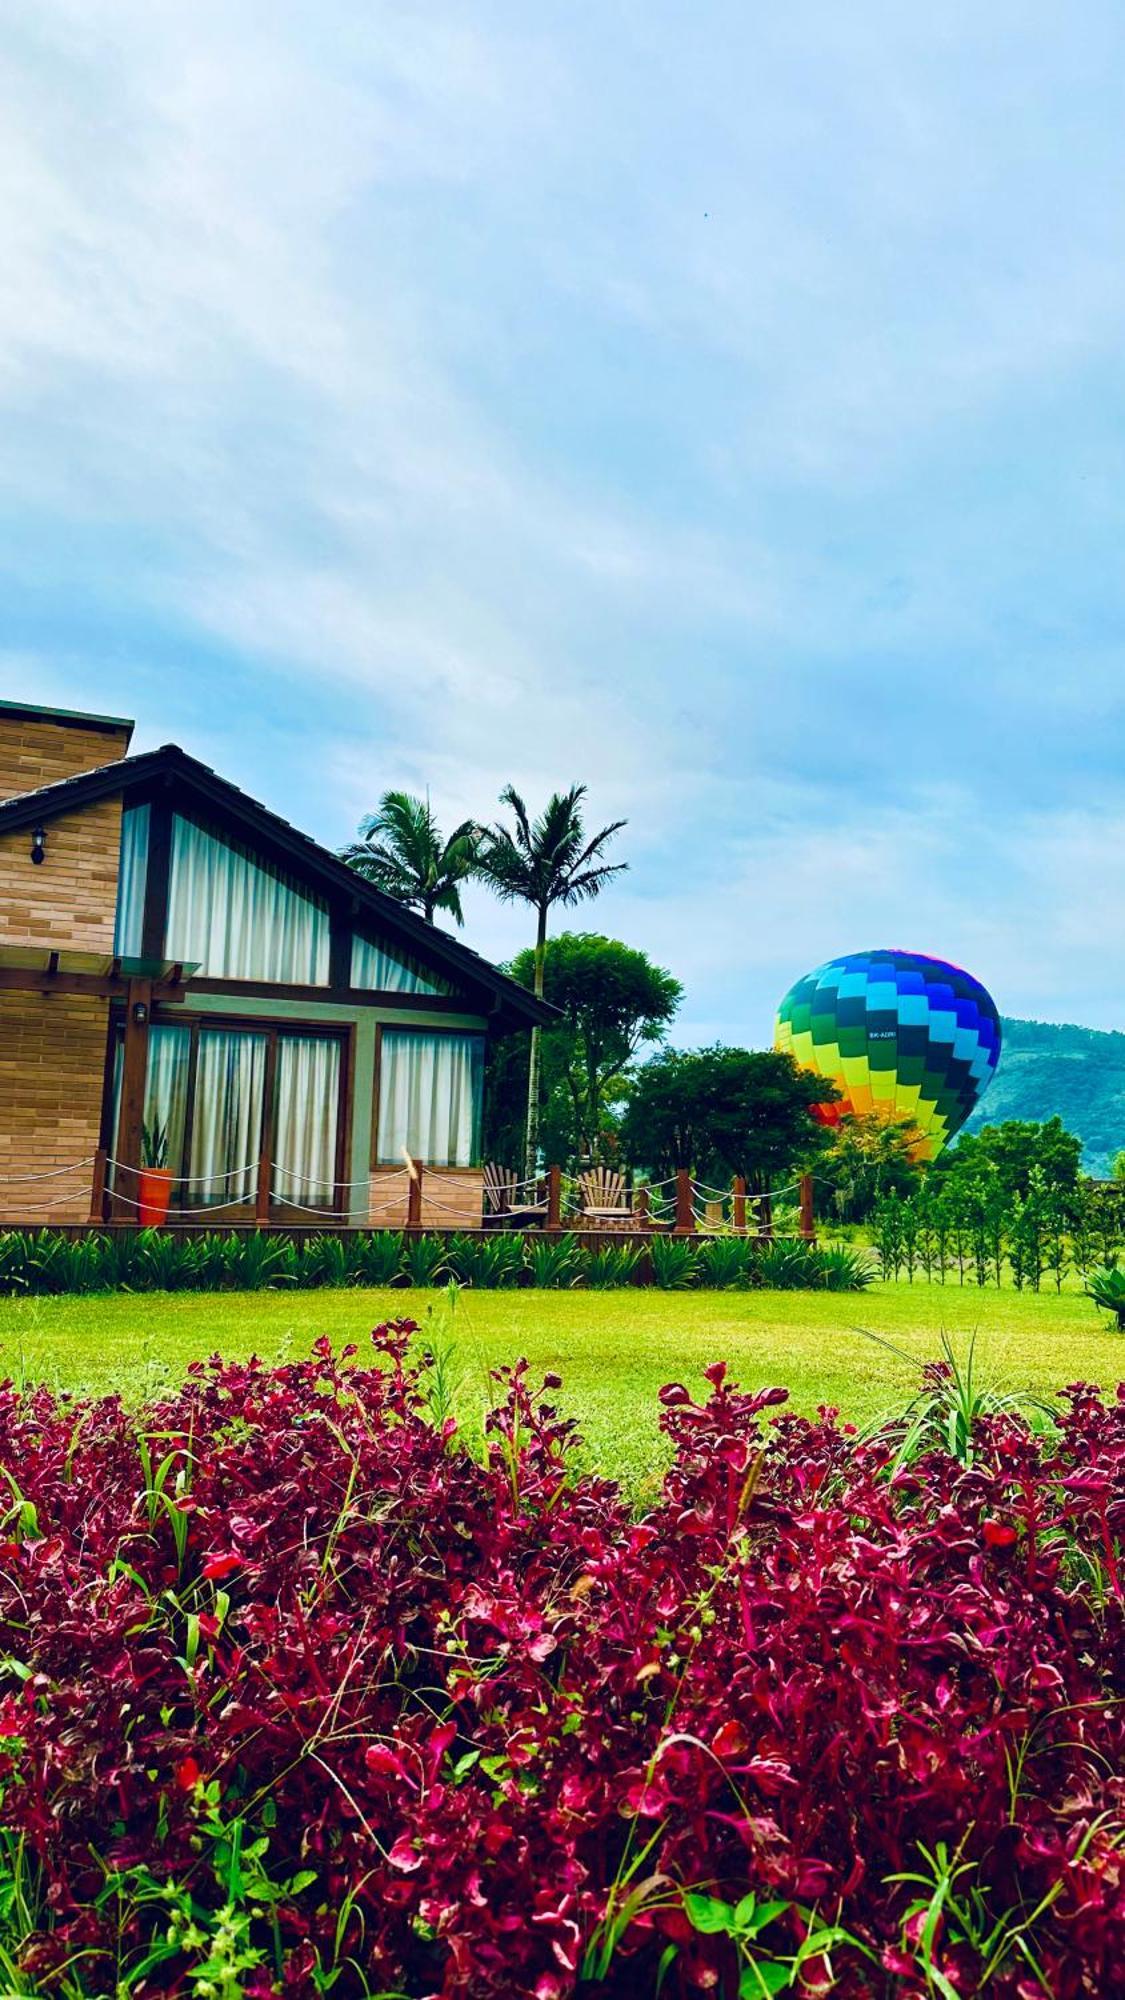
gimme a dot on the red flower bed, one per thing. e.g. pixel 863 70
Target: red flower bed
pixel 301 1697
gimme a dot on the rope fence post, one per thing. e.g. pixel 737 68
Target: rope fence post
pixel 738 1203
pixel 262 1198
pixel 640 1207
pixel 765 1217
pixel 685 1215
pixel 414 1196
pixel 97 1187
pixel 808 1220
pixel 554 1197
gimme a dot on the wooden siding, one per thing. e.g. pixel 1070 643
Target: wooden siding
pixel 36 752
pixel 52 1062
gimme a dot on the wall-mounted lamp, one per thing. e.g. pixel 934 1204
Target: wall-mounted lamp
pixel 140 1013
pixel 39 845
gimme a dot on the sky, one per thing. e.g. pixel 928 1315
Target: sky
pixel 720 405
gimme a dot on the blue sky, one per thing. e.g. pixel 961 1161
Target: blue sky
pixel 722 405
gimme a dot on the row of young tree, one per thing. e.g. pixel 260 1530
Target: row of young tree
pixel 967 1230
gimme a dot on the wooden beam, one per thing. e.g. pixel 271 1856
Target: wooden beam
pixel 103 986
pixel 134 1075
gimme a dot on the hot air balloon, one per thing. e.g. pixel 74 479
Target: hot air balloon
pixel 901 1035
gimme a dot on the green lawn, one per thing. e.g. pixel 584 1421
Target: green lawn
pixel 613 1349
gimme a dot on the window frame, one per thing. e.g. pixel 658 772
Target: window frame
pixel 382 1028
pixel 265 1207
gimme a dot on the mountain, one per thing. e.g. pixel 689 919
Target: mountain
pixel 1077 1072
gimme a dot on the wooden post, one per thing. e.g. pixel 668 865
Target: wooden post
pixel 738 1203
pixel 640 1208
pixel 554 1197
pixel 765 1217
pixel 97 1187
pixel 808 1221
pixel 414 1198
pixel 262 1202
pixel 134 1073
pixel 685 1220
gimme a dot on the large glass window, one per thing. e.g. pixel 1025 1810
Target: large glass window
pixel 131 875
pixel 430 1091
pixel 306 1120
pixel 237 919
pixel 226 1128
pixel 166 1098
pixel 375 969
pixel 206 1090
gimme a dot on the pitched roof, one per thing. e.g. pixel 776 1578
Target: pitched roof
pixel 284 841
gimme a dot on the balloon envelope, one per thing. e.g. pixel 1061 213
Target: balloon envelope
pixel 899 1034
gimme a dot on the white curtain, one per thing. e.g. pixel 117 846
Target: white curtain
pixel 131 874
pixel 166 1094
pixel 377 970
pixel 430 1089
pixel 308 1104
pixel 238 920
pixel 226 1135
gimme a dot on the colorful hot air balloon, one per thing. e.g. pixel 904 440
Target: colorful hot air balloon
pixel 902 1035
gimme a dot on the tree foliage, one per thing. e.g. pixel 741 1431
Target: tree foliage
pixel 545 862
pixel 402 851
pixel 614 1002
pixel 868 1158
pixel 722 1111
pixel 1015 1155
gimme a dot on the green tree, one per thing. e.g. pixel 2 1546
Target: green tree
pixel 722 1111
pixel 867 1159
pixel 1014 1153
pixel 403 852
pixel 614 1002
pixel 544 862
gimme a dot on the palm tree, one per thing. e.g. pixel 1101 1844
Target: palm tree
pixel 545 862
pixel 401 850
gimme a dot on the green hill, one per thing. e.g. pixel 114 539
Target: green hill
pixel 1077 1072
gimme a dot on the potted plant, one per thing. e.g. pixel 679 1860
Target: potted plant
pixel 156 1178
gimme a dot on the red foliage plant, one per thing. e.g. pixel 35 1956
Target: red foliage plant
pixel 302 1696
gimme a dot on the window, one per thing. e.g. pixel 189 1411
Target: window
pixel 306 1120
pixel 228 1095
pixel 237 918
pixel 430 1091
pixel 226 1126
pixel 377 970
pixel 131 876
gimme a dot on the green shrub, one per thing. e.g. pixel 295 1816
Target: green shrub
pixel 160 1263
pixel 675 1263
pixel 487 1262
pixel 257 1262
pixel 423 1259
pixel 553 1261
pixel 378 1257
pixel 615 1265
pixel 323 1260
pixel 725 1262
pixel 1106 1287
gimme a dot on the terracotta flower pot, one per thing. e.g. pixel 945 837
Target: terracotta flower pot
pixel 154 1196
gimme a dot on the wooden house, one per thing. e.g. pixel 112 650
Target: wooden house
pixel 175 956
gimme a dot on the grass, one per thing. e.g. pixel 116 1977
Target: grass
pixel 613 1349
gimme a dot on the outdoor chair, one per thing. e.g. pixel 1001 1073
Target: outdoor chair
pixel 605 1200
pixel 504 1205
